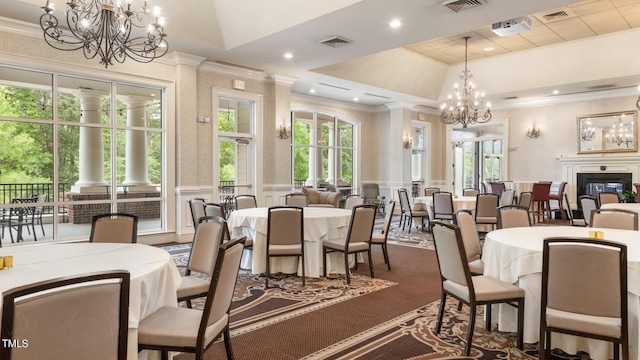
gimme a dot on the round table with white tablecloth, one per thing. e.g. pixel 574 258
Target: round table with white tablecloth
pixel 154 275
pixel 320 224
pixel 515 255
pixel 460 202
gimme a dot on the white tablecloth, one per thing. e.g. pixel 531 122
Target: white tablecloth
pixel 154 275
pixel 515 255
pixel 461 202
pixel 319 224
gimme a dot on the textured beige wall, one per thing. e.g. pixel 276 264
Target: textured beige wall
pixel 536 159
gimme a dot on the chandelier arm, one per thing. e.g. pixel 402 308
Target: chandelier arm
pixel 102 29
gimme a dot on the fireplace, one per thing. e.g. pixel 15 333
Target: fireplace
pixel 594 183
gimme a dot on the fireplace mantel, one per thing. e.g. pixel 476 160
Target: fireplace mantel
pixel 603 163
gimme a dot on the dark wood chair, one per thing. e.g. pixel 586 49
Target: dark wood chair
pixel 540 199
pixel 510 216
pixel 457 282
pixel 245 202
pixel 559 197
pixel 285 236
pixel 88 314
pixel 191 330
pixel 114 228
pixel 380 238
pixel 486 205
pixel 358 238
pixel 579 298
pixel 614 219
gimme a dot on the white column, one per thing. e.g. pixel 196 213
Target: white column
pixel 136 142
pixel 91 167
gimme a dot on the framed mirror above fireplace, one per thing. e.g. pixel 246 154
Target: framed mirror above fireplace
pixel 608 133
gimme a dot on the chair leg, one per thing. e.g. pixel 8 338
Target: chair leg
pixel 488 324
pixel 386 256
pixel 410 220
pixel 443 300
pixel 521 324
pixel 472 323
pixel 164 355
pixel 188 303
pixel 227 343
pixel 370 262
pixel 346 266
pixel 266 273
pixel 304 277
pixel 324 262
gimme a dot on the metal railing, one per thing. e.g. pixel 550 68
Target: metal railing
pixel 8 192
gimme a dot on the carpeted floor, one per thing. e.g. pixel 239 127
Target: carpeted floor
pixel 390 317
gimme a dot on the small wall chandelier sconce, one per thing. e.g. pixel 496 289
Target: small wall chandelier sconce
pixel 407 142
pixel 284 131
pixel 533 131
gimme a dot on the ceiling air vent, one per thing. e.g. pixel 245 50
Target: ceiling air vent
pixel 336 41
pixel 461 5
pixel 555 15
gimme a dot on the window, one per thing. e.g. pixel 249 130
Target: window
pixel 323 151
pixel 85 146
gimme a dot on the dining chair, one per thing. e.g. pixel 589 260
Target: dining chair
pixel 353 200
pixel 296 199
pixel 608 198
pixel 584 292
pixel 588 204
pixel 408 213
pixel 358 238
pixel 497 187
pixel 524 200
pixel 474 291
pixel 75 318
pixel 207 239
pixel 214 209
pixel 541 201
pixel 38 211
pixel 472 248
pixel 510 216
pixel 470 192
pixel 18 218
pixel 614 219
pixel 197 207
pixel 442 206
pixel 114 228
pixel 572 219
pixel 194 331
pixel 245 202
pixel 430 190
pixel 380 238
pixel 558 197
pixel 506 197
pixel 486 205
pixel 285 236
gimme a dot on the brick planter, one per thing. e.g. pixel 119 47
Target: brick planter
pixel 84 213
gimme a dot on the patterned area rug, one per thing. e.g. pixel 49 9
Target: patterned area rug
pixel 411 336
pixel 254 307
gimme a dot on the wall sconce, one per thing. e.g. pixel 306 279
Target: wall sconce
pixel 533 131
pixel 284 131
pixel 407 142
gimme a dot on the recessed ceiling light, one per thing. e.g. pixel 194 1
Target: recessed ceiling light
pixel 312 91
pixel 489 49
pixel 288 55
pixel 395 23
pixel 355 99
pixel 556 92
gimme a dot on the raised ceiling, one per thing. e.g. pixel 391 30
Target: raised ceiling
pixel 413 64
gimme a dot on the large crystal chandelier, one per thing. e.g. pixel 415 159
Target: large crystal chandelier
pixel 463 106
pixel 106 29
pixel 620 134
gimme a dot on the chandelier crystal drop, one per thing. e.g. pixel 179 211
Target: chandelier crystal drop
pixel 106 29
pixel 466 104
